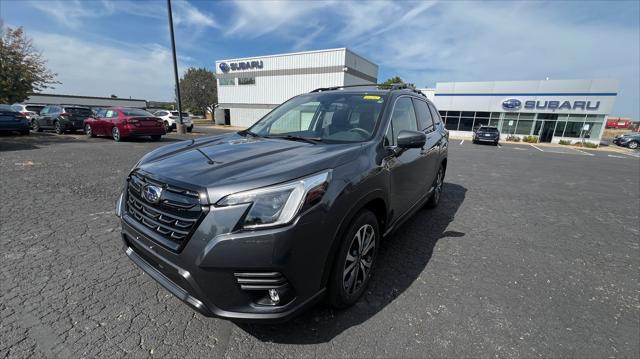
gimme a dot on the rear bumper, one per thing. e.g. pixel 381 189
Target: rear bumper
pixel 142 131
pixel 23 126
pixel 71 125
pixel 486 139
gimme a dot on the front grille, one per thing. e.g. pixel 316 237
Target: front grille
pixel 173 219
pixel 260 280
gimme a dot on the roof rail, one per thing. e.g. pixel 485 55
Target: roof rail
pixel 392 87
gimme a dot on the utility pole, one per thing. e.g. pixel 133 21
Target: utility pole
pixel 180 126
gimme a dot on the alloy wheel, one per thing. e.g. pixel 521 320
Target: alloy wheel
pixel 633 145
pixel 58 128
pixel 116 134
pixel 87 130
pixel 360 255
pixel 437 190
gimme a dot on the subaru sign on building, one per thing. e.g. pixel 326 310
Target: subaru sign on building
pixel 550 109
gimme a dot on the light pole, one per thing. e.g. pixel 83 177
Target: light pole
pixel 180 126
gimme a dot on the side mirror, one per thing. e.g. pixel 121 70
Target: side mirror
pixel 411 139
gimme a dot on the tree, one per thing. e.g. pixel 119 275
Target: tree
pixel 395 80
pixel 23 70
pixel 199 90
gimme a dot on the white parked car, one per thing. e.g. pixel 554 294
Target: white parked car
pixel 170 119
pixel 28 110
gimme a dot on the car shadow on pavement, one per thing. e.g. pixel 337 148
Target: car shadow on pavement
pixel 402 259
pixel 11 142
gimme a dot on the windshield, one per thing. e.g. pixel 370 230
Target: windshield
pixel 136 112
pixel 339 117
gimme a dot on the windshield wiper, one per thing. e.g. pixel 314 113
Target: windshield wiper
pixel 252 134
pixel 311 140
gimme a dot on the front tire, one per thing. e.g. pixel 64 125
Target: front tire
pixel 438 184
pixel 156 138
pixel 89 131
pixel 115 133
pixel 190 128
pixel 58 127
pixel 167 127
pixel 356 259
pixel 36 126
pixel 632 145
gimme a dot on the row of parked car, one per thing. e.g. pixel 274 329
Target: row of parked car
pixel 115 122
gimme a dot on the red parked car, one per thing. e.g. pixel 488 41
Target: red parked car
pixel 123 122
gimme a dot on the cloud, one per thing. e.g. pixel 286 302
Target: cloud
pixel 75 13
pixel 90 69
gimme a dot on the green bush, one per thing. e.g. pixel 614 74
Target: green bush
pixel 564 142
pixel 530 139
pixel 590 145
pixel 513 138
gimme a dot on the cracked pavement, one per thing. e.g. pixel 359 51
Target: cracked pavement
pixel 530 254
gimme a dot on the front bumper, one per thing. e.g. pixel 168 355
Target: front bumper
pixel 204 272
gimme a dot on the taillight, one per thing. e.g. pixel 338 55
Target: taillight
pixel 65 114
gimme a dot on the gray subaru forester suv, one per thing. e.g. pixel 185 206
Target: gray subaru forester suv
pixel 258 225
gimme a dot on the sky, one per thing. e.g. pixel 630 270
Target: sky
pixel 122 47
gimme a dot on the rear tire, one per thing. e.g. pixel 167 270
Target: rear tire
pixel 190 128
pixel 115 133
pixel 355 261
pixel 36 126
pixel 632 145
pixel 155 138
pixel 58 127
pixel 438 185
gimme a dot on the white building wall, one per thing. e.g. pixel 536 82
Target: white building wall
pixel 287 75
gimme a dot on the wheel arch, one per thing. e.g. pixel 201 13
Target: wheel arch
pixel 375 202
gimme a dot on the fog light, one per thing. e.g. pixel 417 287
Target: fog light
pixel 273 295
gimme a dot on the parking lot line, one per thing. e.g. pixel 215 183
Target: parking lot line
pixel 537 148
pixel 614 156
pixel 499 145
pixel 581 151
pixel 461 142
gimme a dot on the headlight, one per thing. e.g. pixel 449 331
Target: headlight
pixel 279 204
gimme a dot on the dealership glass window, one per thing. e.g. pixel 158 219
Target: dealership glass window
pixel 466 123
pixel 509 123
pixel 523 127
pixel 573 129
pixel 593 132
pixel 480 122
pixel 482 114
pixel 246 80
pixel 451 122
pixel 495 119
pixel 227 82
pixel 560 125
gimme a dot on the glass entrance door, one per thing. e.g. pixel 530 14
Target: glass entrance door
pixel 546 133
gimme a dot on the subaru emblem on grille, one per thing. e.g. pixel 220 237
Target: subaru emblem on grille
pixel 152 193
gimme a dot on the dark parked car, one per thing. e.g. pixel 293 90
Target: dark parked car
pixel 260 224
pixel 124 122
pixel 12 120
pixel 631 140
pixel 486 134
pixel 61 118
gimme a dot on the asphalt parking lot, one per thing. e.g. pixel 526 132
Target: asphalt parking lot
pixel 534 251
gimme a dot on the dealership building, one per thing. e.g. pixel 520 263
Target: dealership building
pixel 248 88
pixel 554 110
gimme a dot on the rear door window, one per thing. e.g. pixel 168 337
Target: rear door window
pixel 435 114
pixel 78 111
pixel 425 121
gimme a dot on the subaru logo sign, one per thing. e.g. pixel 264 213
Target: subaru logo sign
pixel 224 67
pixel 152 193
pixel 512 104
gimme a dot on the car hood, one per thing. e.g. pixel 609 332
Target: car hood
pixel 232 163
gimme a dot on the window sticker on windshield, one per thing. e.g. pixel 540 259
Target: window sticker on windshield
pixel 371 97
